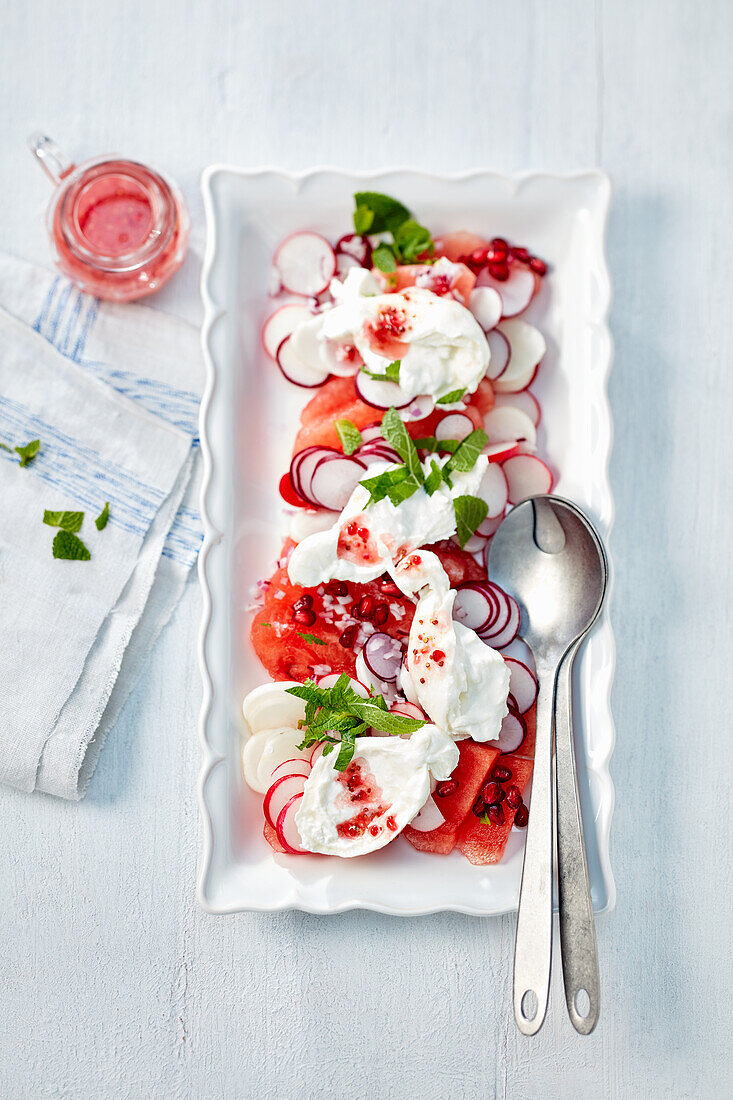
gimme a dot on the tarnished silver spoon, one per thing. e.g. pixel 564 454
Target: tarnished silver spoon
pixel 548 556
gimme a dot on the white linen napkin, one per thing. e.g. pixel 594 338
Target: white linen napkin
pixel 112 392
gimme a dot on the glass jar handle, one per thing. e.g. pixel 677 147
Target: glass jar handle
pixel 54 162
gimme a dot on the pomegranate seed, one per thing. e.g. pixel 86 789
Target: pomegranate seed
pixel 496 814
pixel 305 601
pixel 364 609
pixel 347 637
pixel 479 256
pixel 448 787
pixel 380 614
pixel 388 587
pixel 305 616
pixel 520 254
pixel 391 824
pixel 538 266
pixel 363 533
pixel 374 830
pixel 337 588
pixel 440 285
pixel 514 797
pixel 500 243
pixel 437 655
pixel 489 791
pixel 478 807
pixel 352 528
pixel 497 255
pixel 501 773
pixel 500 272
pixel 521 817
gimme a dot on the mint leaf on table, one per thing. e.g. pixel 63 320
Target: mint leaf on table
pixel 470 513
pixel 391 372
pixel 349 435
pixel 383 257
pixel 101 520
pixel 69 547
pixel 465 455
pixel 451 398
pixel 28 451
pixel 363 220
pixel 313 638
pixel 387 213
pixel 67 521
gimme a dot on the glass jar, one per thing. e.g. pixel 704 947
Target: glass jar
pixel 118 229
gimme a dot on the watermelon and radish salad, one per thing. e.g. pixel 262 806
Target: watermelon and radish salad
pixel 347 639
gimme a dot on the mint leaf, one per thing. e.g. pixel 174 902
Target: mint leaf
pixel 400 492
pixel 310 638
pixel 346 751
pixel 384 720
pixel 69 547
pixel 387 213
pixel 395 432
pixel 101 520
pixel 381 485
pixel 67 521
pixel 452 397
pixel 391 372
pixel 363 219
pixel 383 258
pixel 465 455
pixel 412 241
pixel 470 512
pixel 4 447
pixel 349 435
pixel 28 452
pixel 430 443
pixel 434 478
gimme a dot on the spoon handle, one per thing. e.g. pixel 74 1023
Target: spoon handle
pixel 533 946
pixel 577 931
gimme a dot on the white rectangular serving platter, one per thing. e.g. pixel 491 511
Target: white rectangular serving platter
pixel 249 416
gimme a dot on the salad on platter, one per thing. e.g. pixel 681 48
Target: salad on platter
pixel 401 700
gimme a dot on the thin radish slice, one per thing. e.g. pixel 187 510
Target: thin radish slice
pixel 502 617
pixel 280 793
pixel 329 681
pixel 527 476
pixel 296 370
pixel 474 544
pixel 494 490
pixel 516 292
pixel 522 684
pixel 419 408
pixel 501 354
pixel 454 426
pixel 513 731
pixel 372 432
pixel 334 480
pixel 379 447
pixel 306 263
pixel 317 751
pixel 518 650
pixel 509 425
pixel 288 493
pixel 498 452
pixel 344 263
pixel 340 357
pixel 527 348
pixel 304 464
pixel 382 656
pixel 474 606
pixel 281 324
pixel 251 756
pixel 489 527
pixel 370 457
pixel 286 830
pixel 510 631
pixel 410 710
pixel 525 401
pixel 358 248
pixel 486 305
pixel 378 394
pixel 428 818
pixel 294 766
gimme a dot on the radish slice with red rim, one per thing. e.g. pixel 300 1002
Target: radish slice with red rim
pixel 510 631
pixel 329 681
pixel 282 323
pixel 525 401
pixel 489 527
pixel 358 248
pixel 516 292
pixel 418 408
pixel 493 489
pixel 297 765
pixel 296 370
pixel 303 465
pixel 499 452
pixel 286 830
pixel 279 793
pixel 500 354
pixel 340 357
pixel 527 349
pixel 334 480
pixel 382 656
pixel 344 263
pixel 486 305
pixel 455 425
pixel 527 476
pixel 475 605
pixel 378 394
pixel 512 733
pixel 427 818
pixel 522 684
pixel 306 263
pixel 372 432
pixel 317 751
pixel 510 425
pixel 474 544
pixel 518 650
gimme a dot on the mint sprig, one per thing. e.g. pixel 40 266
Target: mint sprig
pixel 391 372
pixel 377 213
pixel 383 257
pixel 67 521
pixel 387 213
pixel 349 435
pixel 69 547
pixel 27 451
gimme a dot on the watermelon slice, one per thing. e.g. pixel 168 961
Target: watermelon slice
pixel 475 761
pixel 485 843
pixel 460 286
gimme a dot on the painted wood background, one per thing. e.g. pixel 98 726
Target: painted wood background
pixel 113 983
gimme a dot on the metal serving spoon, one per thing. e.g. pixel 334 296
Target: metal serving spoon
pixel 549 557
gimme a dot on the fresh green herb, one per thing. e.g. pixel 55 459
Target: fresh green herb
pixel 396 434
pixel 387 213
pixel 69 547
pixel 397 484
pixel 363 219
pixel 4 447
pixel 28 452
pixel 383 257
pixel 310 638
pixel 349 435
pixel 101 520
pixel 434 478
pixel 470 512
pixel 391 372
pixel 412 241
pixel 338 716
pixel 465 455
pixel 265 624
pixel 67 521
pixel 433 445
pixel 451 398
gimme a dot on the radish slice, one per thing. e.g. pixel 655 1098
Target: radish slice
pixel 334 480
pixel 418 408
pixel 513 731
pixel 489 527
pixel 378 447
pixel 340 358
pixel 474 544
pixel 294 766
pixel 428 818
pixel 306 263
pixel 286 830
pixel 506 424
pixel 527 348
pixel 289 495
pixel 518 650
pixel 372 432
pixel 454 426
pixel 516 292
pixel 370 457
pixel 329 680
pixel 525 401
pixel 527 476
pixel 501 353
pixel 498 452
pixel 378 394
pixel 358 248
pixel 251 756
pixel 498 639
pixel 494 490
pixel 303 466
pixel 382 656
pixel 410 710
pixel 500 620
pixel 474 605
pixel 280 793
pixel 296 370
pixel 281 324
pixel 317 751
pixel 344 263
pixel 486 305
pixel 522 684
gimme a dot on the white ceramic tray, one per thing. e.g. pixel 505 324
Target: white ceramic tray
pixel 248 420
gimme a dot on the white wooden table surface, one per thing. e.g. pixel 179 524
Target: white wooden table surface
pixel 113 983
